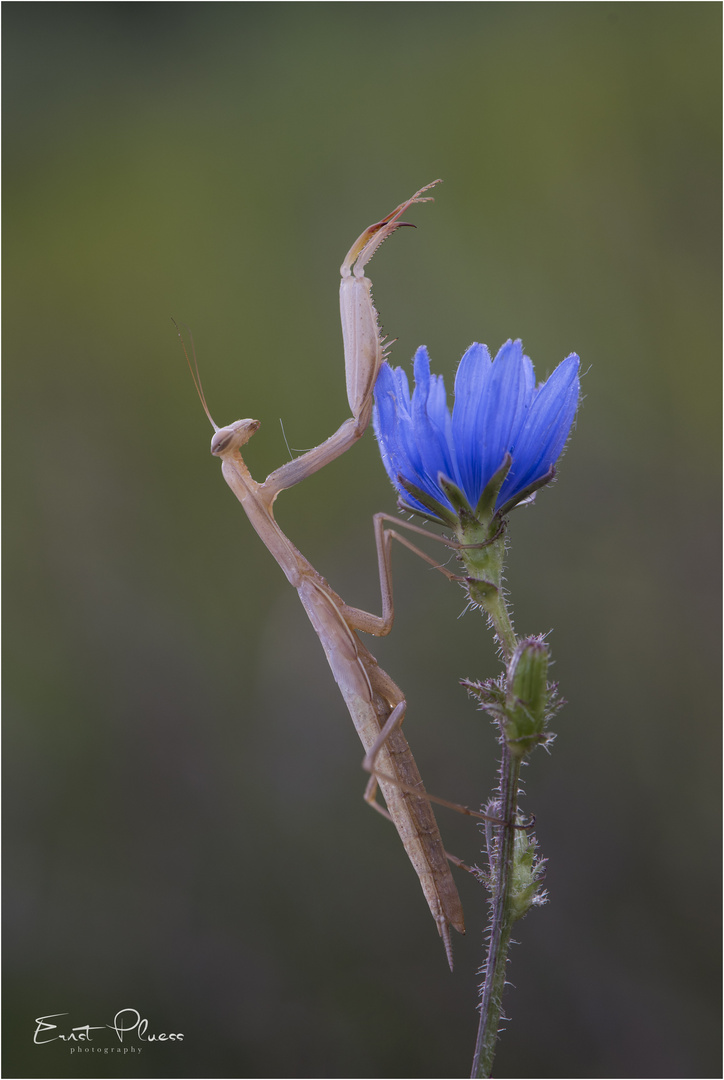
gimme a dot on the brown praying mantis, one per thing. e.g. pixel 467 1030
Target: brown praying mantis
pixel 376 705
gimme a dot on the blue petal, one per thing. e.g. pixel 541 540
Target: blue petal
pixel 397 433
pixel 503 409
pixel 547 426
pixel 385 421
pixel 429 415
pixel 470 383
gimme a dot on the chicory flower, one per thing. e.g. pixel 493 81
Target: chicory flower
pixel 500 417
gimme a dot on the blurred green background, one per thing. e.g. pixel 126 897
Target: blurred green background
pixel 185 831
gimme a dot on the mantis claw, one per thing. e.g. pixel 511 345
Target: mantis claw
pixel 363 347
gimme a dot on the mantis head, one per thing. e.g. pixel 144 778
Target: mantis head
pixel 233 436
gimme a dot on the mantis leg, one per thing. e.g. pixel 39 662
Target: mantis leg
pixel 293 472
pixel 381 625
pixel 394 722
pixel 364 352
pixel 370 797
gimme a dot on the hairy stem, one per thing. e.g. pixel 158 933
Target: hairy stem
pixel 497 609
pixel 491 1001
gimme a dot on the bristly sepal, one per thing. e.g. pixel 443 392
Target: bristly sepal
pixel 527 494
pixel 490 694
pixel 488 499
pixel 456 498
pixel 432 508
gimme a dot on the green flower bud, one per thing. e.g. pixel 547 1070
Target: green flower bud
pixel 527 698
pixel 526 875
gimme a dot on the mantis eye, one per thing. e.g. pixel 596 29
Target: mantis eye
pixel 220 441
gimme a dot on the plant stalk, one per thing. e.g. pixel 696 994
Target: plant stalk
pixel 491 1001
pixel 491 997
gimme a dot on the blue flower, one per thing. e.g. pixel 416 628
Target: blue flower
pixel 498 411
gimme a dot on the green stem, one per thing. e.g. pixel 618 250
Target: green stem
pixel 486 589
pixel 513 875
pixel 491 1001
pixel 497 609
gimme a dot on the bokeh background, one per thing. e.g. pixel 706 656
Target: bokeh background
pixel 185 832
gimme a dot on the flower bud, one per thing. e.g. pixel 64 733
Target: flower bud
pixel 526 876
pixel 527 696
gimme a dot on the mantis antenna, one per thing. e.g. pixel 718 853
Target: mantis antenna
pixel 194 369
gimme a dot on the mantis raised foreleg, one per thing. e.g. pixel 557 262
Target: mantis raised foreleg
pixel 371 696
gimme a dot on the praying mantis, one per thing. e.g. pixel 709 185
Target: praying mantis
pixel 375 703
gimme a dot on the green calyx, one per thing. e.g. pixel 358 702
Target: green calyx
pixel 482 554
pixel 481 532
